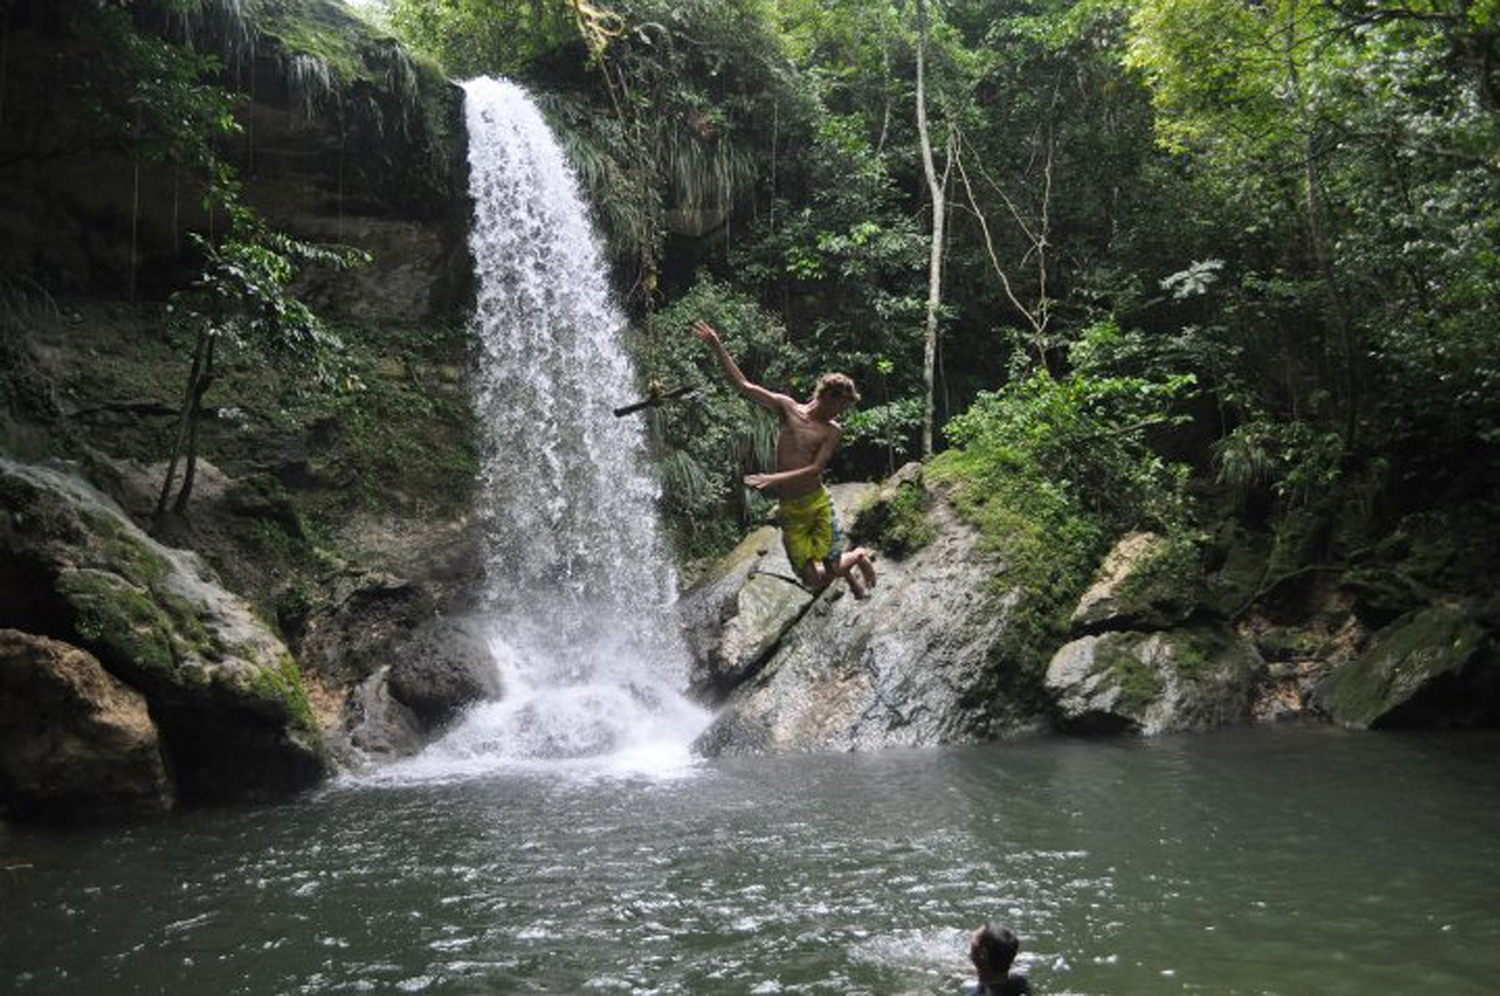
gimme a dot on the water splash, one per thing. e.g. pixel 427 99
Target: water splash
pixel 579 585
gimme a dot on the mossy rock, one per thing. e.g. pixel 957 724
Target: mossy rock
pixel 263 498
pixel 1238 561
pixel 121 623
pixel 895 517
pixel 735 614
pixel 1291 644
pixel 26 515
pixel 225 692
pixel 1382 594
pixel 1184 679
pixel 1435 667
pixel 1147 582
pixel 280 688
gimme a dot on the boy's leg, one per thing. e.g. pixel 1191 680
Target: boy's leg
pixel 815 576
pixel 857 559
pixel 844 566
pixel 857 587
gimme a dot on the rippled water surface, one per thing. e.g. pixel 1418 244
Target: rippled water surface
pixel 1301 861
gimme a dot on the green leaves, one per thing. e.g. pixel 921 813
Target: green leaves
pixel 1081 440
pixel 152 95
pixel 242 297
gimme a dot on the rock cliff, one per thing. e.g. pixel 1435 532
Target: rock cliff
pixel 1159 643
pixel 929 658
pixel 223 692
pixel 341 516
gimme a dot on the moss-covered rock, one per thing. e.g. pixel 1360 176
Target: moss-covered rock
pixel 1432 667
pixel 1146 582
pixel 1382 594
pixel 225 692
pixel 894 518
pixel 735 615
pixel 930 657
pixel 1185 679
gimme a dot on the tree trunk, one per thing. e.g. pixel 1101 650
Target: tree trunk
pixel 190 471
pixel 935 254
pixel 1319 243
pixel 189 393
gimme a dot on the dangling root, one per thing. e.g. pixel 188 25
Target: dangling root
pixel 597 25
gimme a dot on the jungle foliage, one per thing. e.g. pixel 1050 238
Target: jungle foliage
pixel 1254 240
pixel 1258 238
pixel 159 93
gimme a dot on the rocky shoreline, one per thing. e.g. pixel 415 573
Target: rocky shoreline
pixel 1152 647
pixel 133 681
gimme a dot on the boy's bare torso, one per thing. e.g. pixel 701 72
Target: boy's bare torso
pixel 797 445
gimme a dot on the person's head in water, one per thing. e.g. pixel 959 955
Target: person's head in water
pixel 836 389
pixel 992 950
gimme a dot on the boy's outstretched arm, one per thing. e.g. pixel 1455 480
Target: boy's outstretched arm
pixel 769 400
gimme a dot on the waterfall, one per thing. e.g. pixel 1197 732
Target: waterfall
pixel 579 585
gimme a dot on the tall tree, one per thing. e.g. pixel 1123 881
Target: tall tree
pixel 937 189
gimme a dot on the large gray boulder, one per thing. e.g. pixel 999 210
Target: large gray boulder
pixel 75 742
pixel 737 613
pixel 1433 667
pixel 224 691
pixel 927 659
pixel 1143 584
pixel 1183 679
pixel 445 666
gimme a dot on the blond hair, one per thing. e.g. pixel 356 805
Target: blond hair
pixel 837 385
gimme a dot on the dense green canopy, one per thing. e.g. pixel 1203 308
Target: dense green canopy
pixel 1193 249
pixel 1277 221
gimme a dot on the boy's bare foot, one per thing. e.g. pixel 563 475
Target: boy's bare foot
pixel 866 567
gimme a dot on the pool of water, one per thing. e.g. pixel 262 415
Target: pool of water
pixel 1274 861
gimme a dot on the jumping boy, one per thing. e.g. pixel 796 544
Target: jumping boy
pixel 804 445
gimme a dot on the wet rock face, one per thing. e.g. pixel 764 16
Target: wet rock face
pixel 378 724
pixel 1436 667
pixel 404 667
pixel 1146 657
pixel 446 666
pixel 1184 679
pixel 735 616
pixel 75 742
pixel 357 629
pixel 349 141
pixel 923 661
pixel 226 694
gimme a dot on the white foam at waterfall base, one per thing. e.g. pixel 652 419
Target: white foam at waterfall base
pixel 587 714
pixel 579 585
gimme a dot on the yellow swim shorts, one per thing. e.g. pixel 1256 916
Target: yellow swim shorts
pixel 810 529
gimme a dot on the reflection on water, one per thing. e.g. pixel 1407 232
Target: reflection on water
pixel 1291 862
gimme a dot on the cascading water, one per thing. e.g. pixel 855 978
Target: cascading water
pixel 578 582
